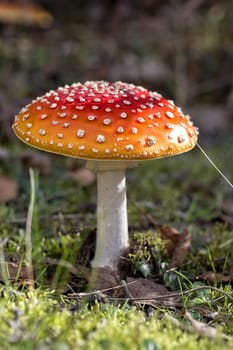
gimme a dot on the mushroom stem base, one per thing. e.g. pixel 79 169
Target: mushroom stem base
pixel 112 223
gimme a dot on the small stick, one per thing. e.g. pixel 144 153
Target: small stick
pixel 128 293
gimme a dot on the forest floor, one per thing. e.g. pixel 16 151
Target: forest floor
pixel 179 266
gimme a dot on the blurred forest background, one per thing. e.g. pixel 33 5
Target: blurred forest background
pixel 183 49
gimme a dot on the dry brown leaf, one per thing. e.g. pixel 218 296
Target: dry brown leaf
pixel 83 176
pixel 8 189
pixel 177 245
pixel 37 160
pixel 218 277
pixel 144 288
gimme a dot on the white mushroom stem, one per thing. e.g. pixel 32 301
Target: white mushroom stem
pixel 112 222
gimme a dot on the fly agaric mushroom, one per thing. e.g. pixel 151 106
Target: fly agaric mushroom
pixel 111 125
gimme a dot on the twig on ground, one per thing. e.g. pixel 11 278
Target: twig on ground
pixel 175 294
pixel 127 292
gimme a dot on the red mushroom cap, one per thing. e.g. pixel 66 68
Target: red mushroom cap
pixel 101 120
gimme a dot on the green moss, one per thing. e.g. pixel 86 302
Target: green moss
pixel 39 320
pixel 148 250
